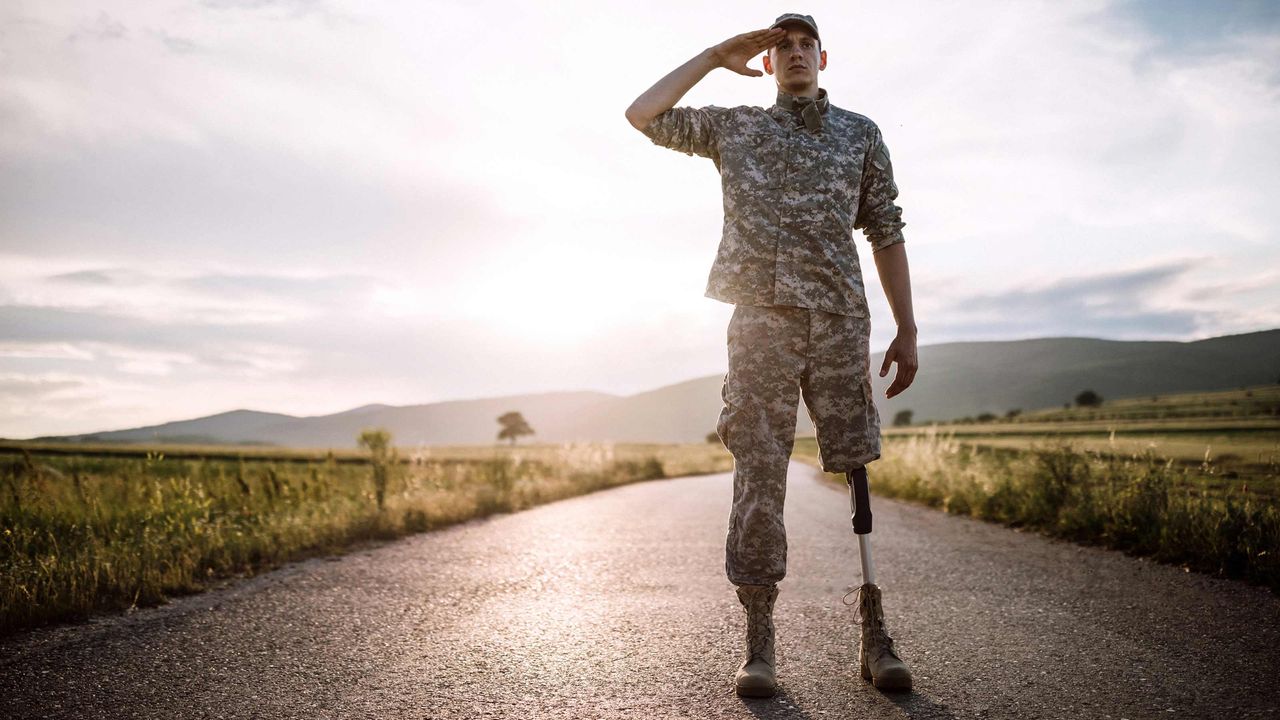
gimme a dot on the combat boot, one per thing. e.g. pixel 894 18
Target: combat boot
pixel 879 660
pixel 757 677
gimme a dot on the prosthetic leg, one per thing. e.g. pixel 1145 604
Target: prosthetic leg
pixel 879 661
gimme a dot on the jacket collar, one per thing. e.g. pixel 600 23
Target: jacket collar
pixel 796 103
pixel 810 110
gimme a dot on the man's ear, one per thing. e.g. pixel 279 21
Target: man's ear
pixel 768 66
pixel 822 63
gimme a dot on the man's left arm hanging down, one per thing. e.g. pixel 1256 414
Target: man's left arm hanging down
pixel 881 220
pixel 895 277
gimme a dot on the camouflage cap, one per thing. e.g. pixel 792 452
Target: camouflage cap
pixel 797 18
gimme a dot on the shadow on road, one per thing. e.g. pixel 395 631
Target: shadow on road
pixel 778 706
pixel 920 707
pixel 912 704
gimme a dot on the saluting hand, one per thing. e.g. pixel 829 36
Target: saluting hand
pixel 737 50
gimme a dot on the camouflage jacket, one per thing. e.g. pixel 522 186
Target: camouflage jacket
pixel 792 198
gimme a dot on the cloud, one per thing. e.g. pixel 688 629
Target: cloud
pixel 304 206
pixel 225 200
pixel 294 6
pixel 14 386
pixel 175 44
pixel 104 27
pixel 1192 28
pixel 218 298
pixel 59 398
pixel 125 302
pixel 1154 302
pixel 44 350
pixel 108 276
pixel 1115 291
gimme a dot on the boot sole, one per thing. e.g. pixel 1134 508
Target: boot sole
pixel 891 684
pixel 760 692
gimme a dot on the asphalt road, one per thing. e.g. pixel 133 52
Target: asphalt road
pixel 615 605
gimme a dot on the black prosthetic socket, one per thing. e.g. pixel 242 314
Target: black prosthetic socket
pixel 859 500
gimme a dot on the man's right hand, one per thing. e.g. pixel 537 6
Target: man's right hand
pixel 732 54
pixel 735 52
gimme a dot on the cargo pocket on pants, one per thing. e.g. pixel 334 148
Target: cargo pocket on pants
pixel 867 432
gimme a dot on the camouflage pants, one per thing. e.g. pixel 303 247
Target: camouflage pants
pixel 776 355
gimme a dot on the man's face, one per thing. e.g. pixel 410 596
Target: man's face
pixel 796 60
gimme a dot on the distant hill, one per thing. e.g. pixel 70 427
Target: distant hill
pixel 446 423
pixel 228 427
pixel 959 379
pixel 955 380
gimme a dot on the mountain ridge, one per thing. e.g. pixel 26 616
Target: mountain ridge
pixel 957 379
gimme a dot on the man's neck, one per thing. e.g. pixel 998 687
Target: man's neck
pixel 810 91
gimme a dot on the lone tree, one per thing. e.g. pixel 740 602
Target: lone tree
pixel 1088 398
pixel 903 418
pixel 513 426
pixel 376 440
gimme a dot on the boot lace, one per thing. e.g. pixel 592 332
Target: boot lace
pixel 870 614
pixel 759 630
pixel 759 609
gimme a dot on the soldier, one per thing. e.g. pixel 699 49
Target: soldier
pixel 797 179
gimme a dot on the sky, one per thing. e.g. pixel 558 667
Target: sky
pixel 304 206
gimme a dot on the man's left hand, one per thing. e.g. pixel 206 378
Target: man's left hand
pixel 902 351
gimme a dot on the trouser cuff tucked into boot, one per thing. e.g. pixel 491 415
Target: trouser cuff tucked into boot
pixel 756 676
pixel 877 657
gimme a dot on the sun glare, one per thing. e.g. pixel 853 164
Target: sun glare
pixel 562 295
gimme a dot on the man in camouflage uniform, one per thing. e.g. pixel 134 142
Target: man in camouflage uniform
pixel 797 179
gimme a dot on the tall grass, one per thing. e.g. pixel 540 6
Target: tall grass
pixel 1140 503
pixel 79 534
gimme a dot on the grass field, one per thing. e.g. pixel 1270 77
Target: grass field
pixel 117 527
pixel 1225 439
pixel 694 456
pixel 1192 479
pixel 1253 402
pixel 1169 426
pixel 94 527
pixel 1244 462
pixel 1251 408
pixel 1140 503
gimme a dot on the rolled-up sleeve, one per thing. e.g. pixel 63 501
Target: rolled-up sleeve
pixel 694 131
pixel 879 217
